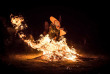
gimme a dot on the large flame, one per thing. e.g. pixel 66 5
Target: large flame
pixel 52 50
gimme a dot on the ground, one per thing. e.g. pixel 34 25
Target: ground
pixel 29 64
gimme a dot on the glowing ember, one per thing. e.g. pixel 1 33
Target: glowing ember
pixel 52 50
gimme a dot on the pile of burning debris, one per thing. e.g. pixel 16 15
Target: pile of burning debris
pixel 53 50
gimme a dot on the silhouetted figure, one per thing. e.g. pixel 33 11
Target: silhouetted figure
pixel 46 27
pixel 54 32
pixel 54 29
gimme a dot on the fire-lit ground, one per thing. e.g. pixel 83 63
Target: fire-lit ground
pixel 29 63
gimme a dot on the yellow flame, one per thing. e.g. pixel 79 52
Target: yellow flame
pixel 52 50
pixel 17 22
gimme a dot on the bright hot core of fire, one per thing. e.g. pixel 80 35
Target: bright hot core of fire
pixel 52 50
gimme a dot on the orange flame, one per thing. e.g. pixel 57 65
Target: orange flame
pixel 52 50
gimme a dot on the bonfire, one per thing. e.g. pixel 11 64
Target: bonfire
pixel 52 50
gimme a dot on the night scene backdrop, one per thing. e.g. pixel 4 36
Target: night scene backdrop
pixel 83 24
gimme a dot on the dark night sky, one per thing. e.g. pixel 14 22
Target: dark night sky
pixel 79 21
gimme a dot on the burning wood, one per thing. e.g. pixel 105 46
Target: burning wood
pixel 52 50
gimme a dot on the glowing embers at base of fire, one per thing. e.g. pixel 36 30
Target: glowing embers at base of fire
pixel 52 50
pixel 58 56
